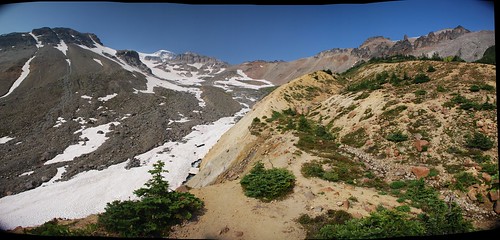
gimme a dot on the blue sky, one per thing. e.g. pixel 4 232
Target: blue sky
pixel 238 33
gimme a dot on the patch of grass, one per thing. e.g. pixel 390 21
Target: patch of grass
pixel 397 184
pixel 440 88
pixel 420 92
pixel 362 95
pixel 393 113
pixel 489 168
pixel 464 180
pixel 479 140
pixel 355 139
pixel 421 78
pixel 313 225
pixel 474 88
pixel 433 172
pixel 267 185
pixel 397 136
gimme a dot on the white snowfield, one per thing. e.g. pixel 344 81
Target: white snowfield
pixel 240 82
pixel 88 192
pixel 98 61
pixel 107 97
pixel 5 139
pixel 95 140
pixel 25 71
pixel 38 42
pixel 62 47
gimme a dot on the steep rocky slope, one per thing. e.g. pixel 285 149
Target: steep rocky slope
pixel 68 104
pixel 387 125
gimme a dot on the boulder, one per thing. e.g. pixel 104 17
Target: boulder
pixel 345 204
pixel 420 144
pixel 420 172
pixel 486 177
pixel 472 194
pixel 496 207
pixel 493 195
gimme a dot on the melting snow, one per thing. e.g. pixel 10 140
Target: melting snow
pixel 24 74
pixel 84 147
pixel 59 122
pixel 38 42
pixel 98 61
pixel 26 173
pixel 240 82
pixel 62 47
pixel 69 61
pixel 88 192
pixel 108 97
pixel 196 65
pixel 5 139
pixel 86 97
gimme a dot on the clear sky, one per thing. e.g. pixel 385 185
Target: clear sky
pixel 238 33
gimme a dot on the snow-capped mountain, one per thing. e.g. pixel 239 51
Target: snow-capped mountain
pixel 82 123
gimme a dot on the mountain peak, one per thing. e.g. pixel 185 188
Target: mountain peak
pixel 53 36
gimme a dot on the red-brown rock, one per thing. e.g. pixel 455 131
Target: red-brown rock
pixel 493 195
pixel 496 207
pixel 486 177
pixel 420 144
pixel 345 204
pixel 420 172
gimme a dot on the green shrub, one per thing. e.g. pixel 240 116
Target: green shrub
pixel 489 168
pixel 256 120
pixel 474 88
pixel 51 228
pixel 397 184
pixel 479 158
pixel 397 136
pixel 393 113
pixel 463 180
pixel 313 225
pixel 420 92
pixel 431 69
pixel 304 125
pixel 421 78
pixel 433 172
pixel 440 89
pixel 480 141
pixel 157 210
pixel 380 224
pixel 487 87
pixel 267 184
pixel 312 169
pixel 355 139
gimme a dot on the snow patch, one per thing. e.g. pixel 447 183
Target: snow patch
pixel 62 47
pixel 24 74
pixel 26 173
pixel 69 61
pixel 108 97
pixel 98 61
pixel 59 122
pixel 240 82
pixel 38 42
pixel 196 65
pixel 5 139
pixel 86 97
pixel 95 140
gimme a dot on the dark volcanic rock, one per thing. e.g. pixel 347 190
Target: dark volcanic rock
pixel 17 40
pixel 132 58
